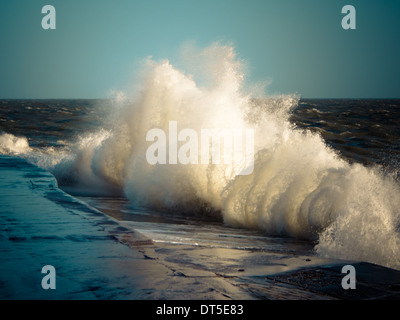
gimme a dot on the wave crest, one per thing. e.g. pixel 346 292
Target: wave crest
pixel 300 187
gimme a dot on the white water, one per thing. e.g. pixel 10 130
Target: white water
pixel 299 188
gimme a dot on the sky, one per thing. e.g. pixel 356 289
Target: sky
pixel 298 46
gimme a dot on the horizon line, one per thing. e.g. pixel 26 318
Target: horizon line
pixel 302 98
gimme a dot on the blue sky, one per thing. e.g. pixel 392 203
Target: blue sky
pixel 299 46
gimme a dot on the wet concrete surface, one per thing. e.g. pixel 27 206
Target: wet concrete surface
pixel 97 257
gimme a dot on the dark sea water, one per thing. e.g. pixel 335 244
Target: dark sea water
pixel 70 139
pixel 365 131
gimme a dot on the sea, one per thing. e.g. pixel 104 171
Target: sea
pixel 323 176
pixel 325 179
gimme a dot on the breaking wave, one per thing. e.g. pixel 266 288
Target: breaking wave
pixel 299 186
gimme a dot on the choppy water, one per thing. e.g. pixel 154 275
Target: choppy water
pixel 325 171
pixel 361 131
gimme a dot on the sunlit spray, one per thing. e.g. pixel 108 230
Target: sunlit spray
pixel 298 186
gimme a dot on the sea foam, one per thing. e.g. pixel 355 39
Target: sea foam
pixel 299 188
